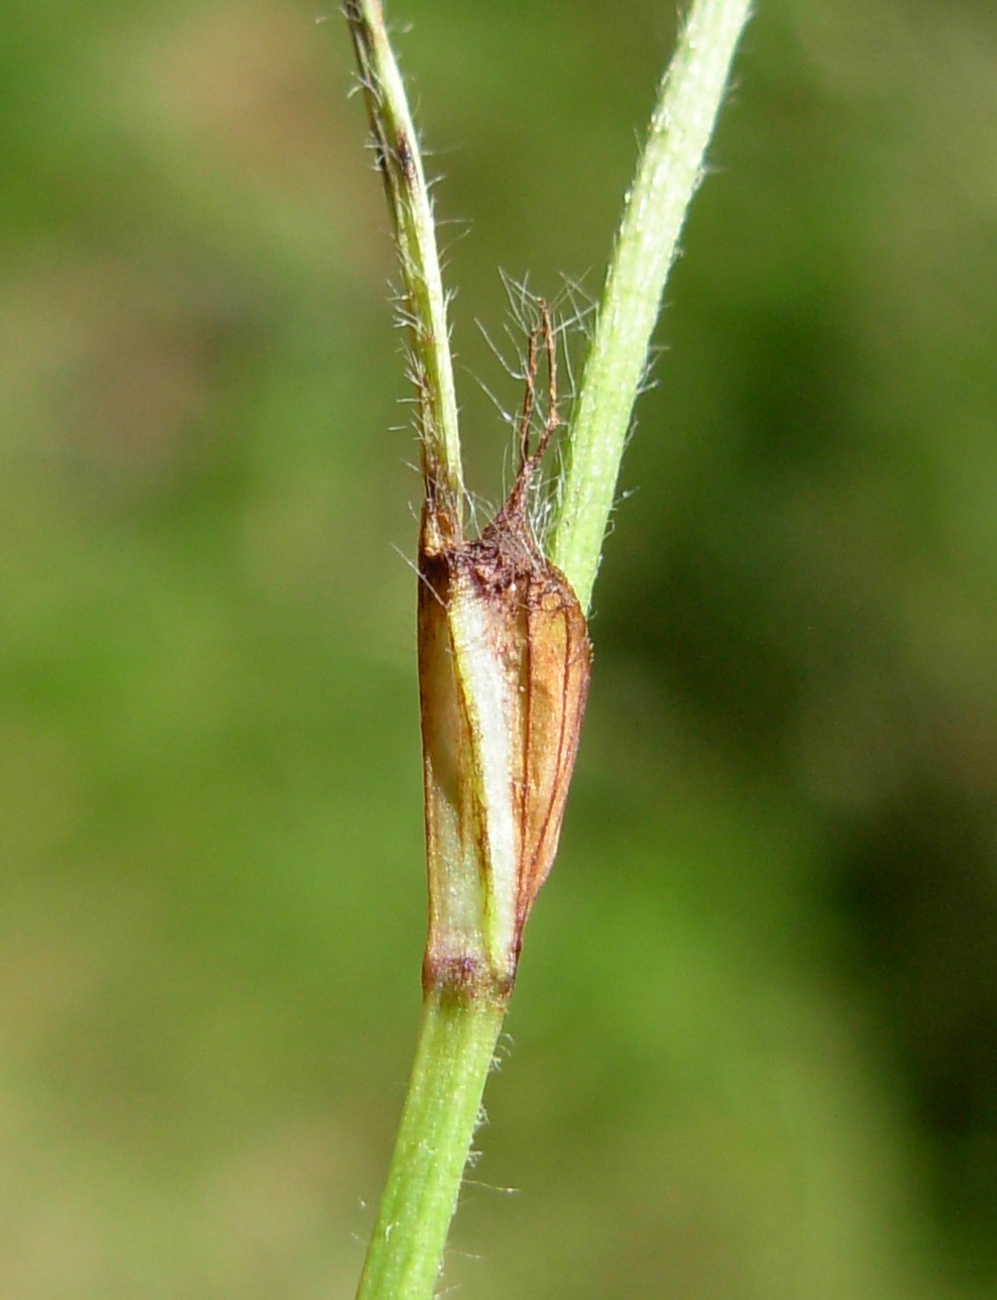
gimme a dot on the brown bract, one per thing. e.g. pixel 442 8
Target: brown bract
pixel 504 664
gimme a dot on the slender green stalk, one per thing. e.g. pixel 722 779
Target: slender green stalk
pixel 668 174
pixel 423 302
pixel 456 1045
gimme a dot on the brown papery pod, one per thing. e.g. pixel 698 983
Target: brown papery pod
pixel 504 664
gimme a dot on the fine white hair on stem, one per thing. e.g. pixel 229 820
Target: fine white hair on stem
pixel 527 313
pixel 424 302
pixel 411 564
pixel 508 417
pixel 479 512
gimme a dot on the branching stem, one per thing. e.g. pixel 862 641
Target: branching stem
pixel 460 1027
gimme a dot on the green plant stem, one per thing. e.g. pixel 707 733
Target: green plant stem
pixel 423 307
pixel 456 1047
pixel 668 174
pixel 460 1028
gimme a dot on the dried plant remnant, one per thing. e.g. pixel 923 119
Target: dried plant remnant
pixel 504 661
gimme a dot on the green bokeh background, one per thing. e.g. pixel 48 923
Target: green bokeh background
pixel 753 1050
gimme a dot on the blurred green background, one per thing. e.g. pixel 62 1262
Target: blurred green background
pixel 753 1050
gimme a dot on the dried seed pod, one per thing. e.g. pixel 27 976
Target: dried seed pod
pixel 504 662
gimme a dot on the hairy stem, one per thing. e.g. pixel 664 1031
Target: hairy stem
pixel 424 307
pixel 461 1024
pixel 456 1045
pixel 668 174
